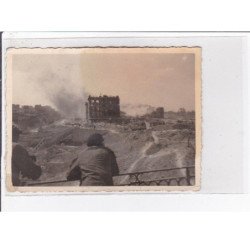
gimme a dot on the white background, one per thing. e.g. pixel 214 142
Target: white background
pixel 224 164
pixel 129 230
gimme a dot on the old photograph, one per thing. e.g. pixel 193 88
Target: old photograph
pixel 103 119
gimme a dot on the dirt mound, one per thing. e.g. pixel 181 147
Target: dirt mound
pixel 142 150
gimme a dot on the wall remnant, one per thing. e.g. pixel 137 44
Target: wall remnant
pixel 29 117
pixel 102 108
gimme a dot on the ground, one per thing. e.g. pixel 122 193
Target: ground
pixel 169 146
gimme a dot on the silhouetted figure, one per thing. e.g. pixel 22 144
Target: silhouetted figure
pixel 23 165
pixel 96 165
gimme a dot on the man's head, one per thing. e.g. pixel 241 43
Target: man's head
pixel 15 133
pixel 95 140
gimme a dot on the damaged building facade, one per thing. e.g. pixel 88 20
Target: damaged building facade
pixel 102 108
pixel 158 113
pixel 28 117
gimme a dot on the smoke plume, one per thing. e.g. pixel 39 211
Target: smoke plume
pixel 137 109
pixel 69 104
pixel 64 93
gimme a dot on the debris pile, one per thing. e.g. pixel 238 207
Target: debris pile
pixel 142 143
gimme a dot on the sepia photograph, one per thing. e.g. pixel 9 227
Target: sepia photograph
pixel 103 119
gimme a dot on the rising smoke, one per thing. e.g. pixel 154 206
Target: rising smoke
pixel 64 94
pixel 69 104
pixel 137 109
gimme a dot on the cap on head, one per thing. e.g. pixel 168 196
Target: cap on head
pixel 95 140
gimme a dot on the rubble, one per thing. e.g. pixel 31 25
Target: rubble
pixel 141 143
pixel 30 117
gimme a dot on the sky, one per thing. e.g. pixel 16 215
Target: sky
pixel 155 79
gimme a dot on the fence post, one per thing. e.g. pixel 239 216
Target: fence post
pixel 188 176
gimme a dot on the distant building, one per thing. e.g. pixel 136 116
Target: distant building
pixel 26 117
pixel 103 108
pixel 158 113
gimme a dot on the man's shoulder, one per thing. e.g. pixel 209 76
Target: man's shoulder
pixel 96 150
pixel 92 150
pixel 109 151
pixel 18 147
pixel 100 150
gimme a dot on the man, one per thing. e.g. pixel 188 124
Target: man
pixel 22 164
pixel 96 165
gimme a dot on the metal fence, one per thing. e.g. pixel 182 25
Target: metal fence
pixel 161 177
pixel 166 177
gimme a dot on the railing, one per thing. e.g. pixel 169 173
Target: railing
pixel 165 177
pixel 168 177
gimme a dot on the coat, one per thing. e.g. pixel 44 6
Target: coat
pixel 22 165
pixel 94 166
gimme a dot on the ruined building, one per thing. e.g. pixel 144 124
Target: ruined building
pixel 102 108
pixel 28 117
pixel 158 113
